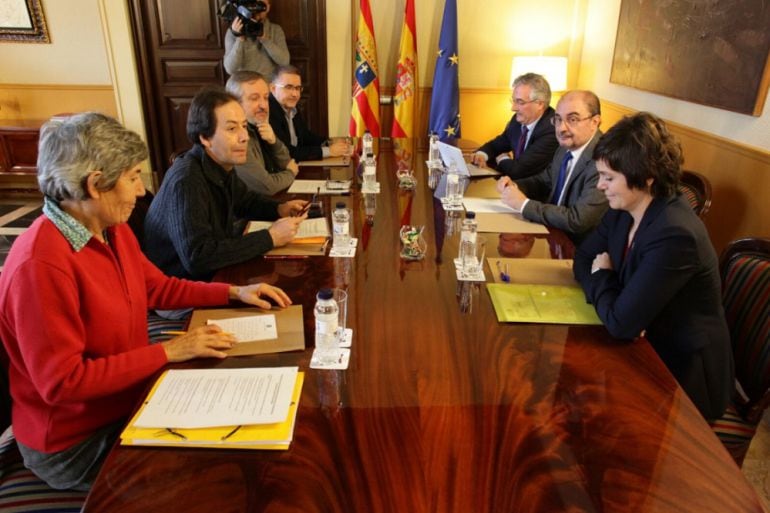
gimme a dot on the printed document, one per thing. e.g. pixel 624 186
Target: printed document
pixel 196 398
pixel 249 329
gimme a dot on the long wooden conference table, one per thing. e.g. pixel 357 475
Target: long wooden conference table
pixel 443 408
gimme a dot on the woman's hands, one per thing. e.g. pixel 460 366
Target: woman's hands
pixel 201 342
pixel 252 294
pixel 602 261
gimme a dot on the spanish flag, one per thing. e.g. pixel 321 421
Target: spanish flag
pixel 406 77
pixel 365 114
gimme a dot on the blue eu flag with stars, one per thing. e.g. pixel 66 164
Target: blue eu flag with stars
pixel 445 98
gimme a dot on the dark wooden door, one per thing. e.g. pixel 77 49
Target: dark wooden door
pixel 179 48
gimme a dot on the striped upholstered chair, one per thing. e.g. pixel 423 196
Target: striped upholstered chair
pixel 745 269
pixel 21 491
pixel 697 191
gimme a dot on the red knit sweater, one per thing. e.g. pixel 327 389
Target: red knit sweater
pixel 74 325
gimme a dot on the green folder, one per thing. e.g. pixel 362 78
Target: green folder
pixel 548 304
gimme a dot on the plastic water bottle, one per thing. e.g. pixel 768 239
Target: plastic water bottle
pixel 453 195
pixel 468 239
pixel 370 171
pixel 368 145
pixel 326 320
pixel 341 226
pixel 433 153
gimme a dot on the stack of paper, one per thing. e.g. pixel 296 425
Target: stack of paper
pixel 219 408
pixel 277 330
pixel 319 187
pixel 548 304
pixel 311 239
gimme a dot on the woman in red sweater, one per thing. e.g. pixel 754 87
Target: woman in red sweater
pixel 74 295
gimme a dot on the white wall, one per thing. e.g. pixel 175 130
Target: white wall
pixel 76 54
pixel 601 26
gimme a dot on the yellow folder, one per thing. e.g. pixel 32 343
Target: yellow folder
pixel 257 436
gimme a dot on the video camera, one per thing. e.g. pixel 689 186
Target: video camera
pixel 246 10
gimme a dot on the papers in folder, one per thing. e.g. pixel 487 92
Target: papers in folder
pixel 319 186
pixel 454 155
pixel 288 328
pixel 311 239
pixel 492 215
pixel 548 304
pixel 219 408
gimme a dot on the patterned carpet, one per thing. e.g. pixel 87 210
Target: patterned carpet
pixel 16 215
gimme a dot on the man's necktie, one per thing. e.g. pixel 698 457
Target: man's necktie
pixel 562 178
pixel 522 142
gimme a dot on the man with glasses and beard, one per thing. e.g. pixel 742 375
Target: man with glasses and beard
pixel 269 167
pixel 564 195
pixel 528 135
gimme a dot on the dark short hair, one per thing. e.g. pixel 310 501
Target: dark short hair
pixel 286 70
pixel 641 147
pixel 201 120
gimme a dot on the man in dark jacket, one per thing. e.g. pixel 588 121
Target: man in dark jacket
pixel 529 134
pixel 289 125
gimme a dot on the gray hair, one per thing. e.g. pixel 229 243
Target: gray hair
pixel 233 84
pixel 540 90
pixel 73 147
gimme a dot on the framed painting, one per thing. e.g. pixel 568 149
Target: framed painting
pixel 23 21
pixel 712 53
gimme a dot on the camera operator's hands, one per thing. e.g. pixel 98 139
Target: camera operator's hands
pixel 236 27
pixel 266 132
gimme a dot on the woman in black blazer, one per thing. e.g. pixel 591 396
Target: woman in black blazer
pixel 649 267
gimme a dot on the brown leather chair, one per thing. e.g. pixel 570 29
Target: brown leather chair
pixel 697 190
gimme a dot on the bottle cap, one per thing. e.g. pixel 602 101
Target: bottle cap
pixel 470 215
pixel 340 204
pixel 325 294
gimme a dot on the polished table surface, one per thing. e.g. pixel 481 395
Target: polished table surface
pixel 443 409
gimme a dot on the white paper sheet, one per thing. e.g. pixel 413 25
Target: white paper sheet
pixel 309 228
pixel 196 398
pixel 321 186
pixel 249 329
pixel 487 205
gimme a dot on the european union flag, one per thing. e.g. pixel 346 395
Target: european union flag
pixel 445 99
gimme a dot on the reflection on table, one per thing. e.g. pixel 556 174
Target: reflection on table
pixel 443 409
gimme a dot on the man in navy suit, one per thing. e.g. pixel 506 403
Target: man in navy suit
pixel 528 135
pixel 289 125
pixel 564 195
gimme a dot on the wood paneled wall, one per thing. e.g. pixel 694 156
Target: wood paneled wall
pixel 41 101
pixel 739 176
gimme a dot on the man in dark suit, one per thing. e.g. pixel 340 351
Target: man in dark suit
pixel 529 134
pixel 289 125
pixel 564 195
